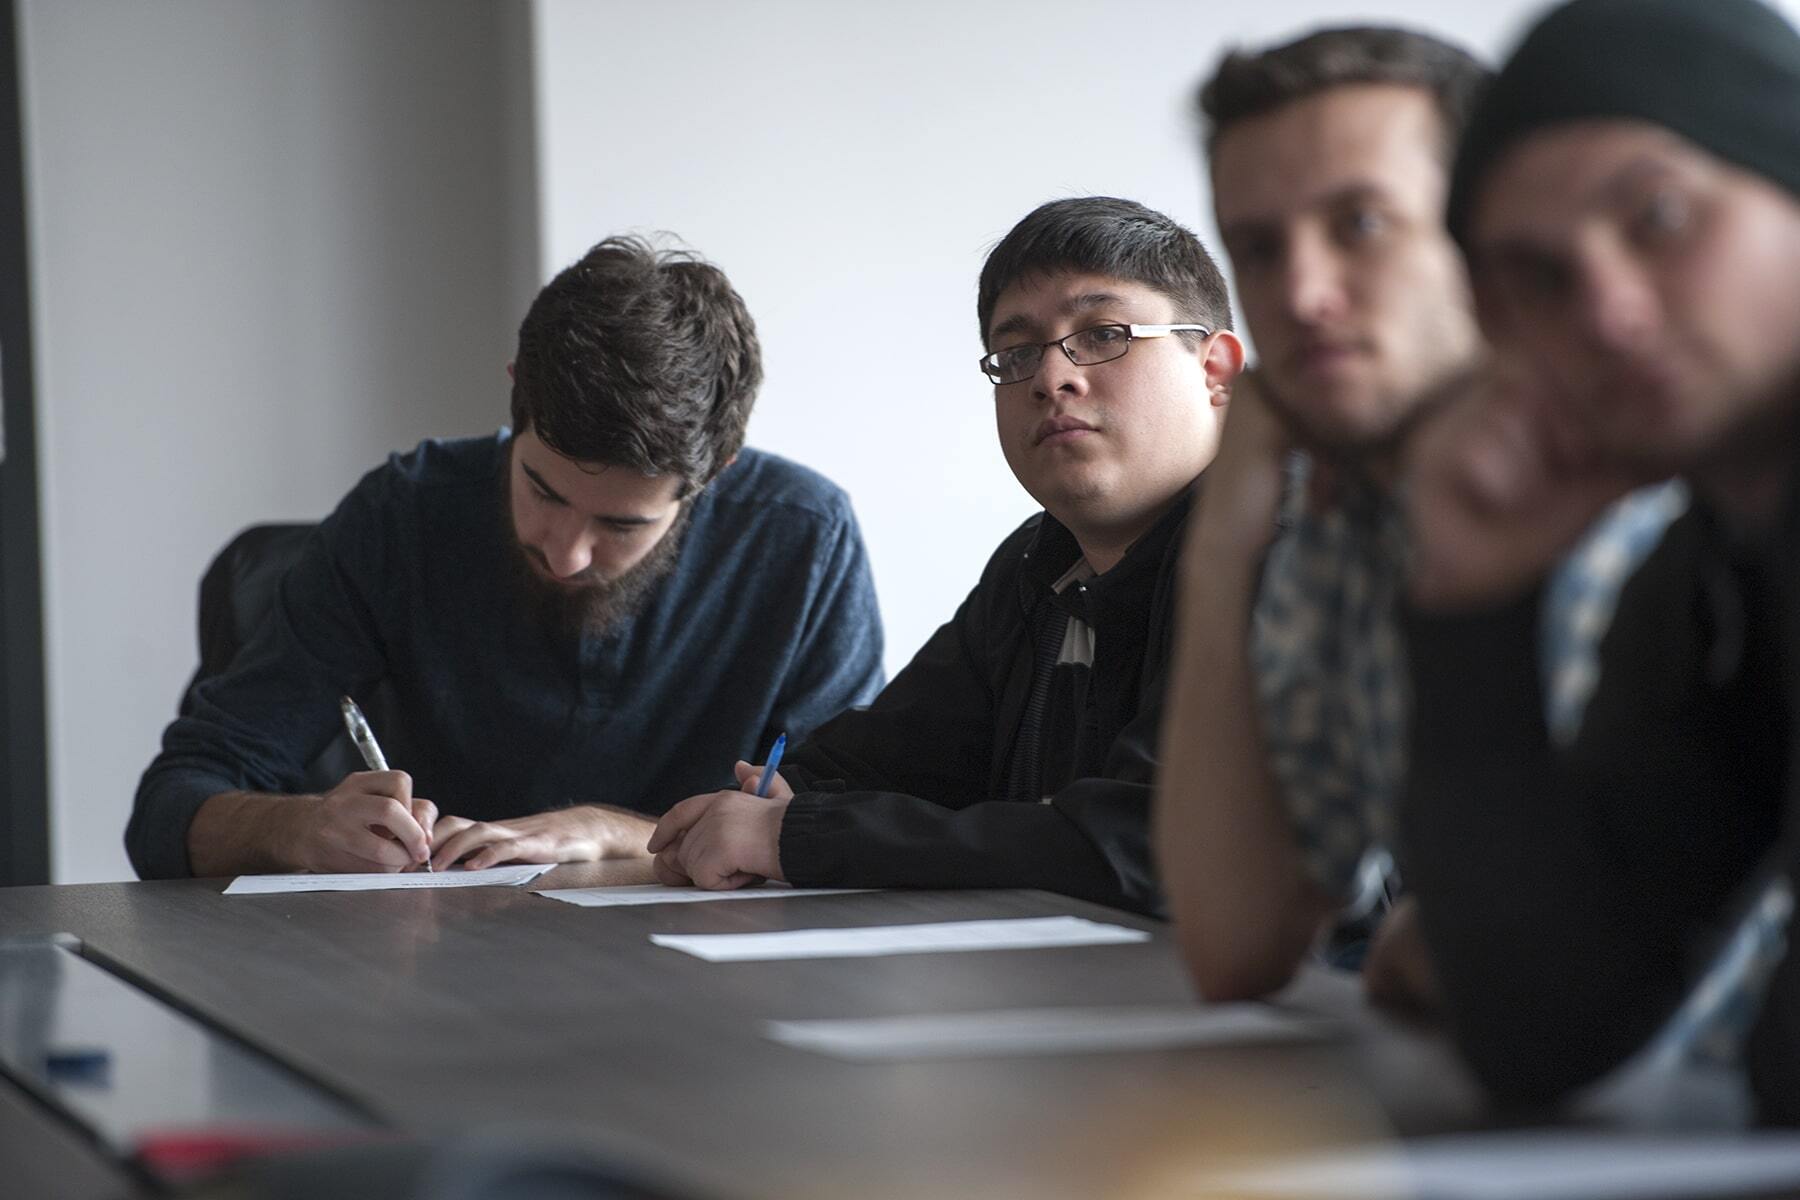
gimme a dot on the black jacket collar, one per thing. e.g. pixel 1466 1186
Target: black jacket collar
pixel 1052 550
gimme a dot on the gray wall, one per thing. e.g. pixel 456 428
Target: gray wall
pixel 271 242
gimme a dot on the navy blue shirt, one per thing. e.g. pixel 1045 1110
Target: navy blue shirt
pixel 766 623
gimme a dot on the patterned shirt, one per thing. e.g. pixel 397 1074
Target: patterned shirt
pixel 1333 705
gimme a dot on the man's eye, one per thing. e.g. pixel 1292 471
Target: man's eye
pixel 1254 251
pixel 1105 335
pixel 1537 279
pixel 1360 224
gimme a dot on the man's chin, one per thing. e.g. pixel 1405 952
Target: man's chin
pixel 1347 423
pixel 592 606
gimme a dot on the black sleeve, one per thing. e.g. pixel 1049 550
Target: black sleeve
pixel 1567 897
pixel 899 794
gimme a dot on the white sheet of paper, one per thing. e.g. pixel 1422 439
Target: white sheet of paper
pixel 263 885
pixel 656 893
pixel 1543 1165
pixel 1028 934
pixel 1020 1031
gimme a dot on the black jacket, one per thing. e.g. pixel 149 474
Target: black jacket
pixel 909 792
pixel 1570 899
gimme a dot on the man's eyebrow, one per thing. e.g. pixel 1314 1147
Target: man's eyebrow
pixel 1645 168
pixel 1088 301
pixel 1247 225
pixel 622 520
pixel 1543 244
pixel 1017 323
pixel 1072 306
pixel 1336 197
pixel 542 485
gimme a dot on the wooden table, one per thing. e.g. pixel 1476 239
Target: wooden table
pixel 447 1011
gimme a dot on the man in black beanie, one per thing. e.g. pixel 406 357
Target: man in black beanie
pixel 1628 196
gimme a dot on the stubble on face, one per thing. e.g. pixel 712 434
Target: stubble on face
pixel 1653 286
pixel 1354 292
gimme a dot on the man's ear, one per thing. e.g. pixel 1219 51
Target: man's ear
pixel 509 373
pixel 1224 363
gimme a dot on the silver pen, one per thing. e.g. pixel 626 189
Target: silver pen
pixel 366 745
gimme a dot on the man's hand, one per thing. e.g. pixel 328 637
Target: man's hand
pixel 723 840
pixel 1500 486
pixel 370 821
pixel 1243 484
pixel 1398 974
pixel 580 834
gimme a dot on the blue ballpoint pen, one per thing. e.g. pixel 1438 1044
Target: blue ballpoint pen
pixel 768 775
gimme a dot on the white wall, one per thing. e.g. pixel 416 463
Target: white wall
pixel 850 164
pixel 271 242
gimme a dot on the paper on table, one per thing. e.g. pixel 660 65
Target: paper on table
pixel 1027 934
pixel 1547 1165
pixel 1019 1031
pixel 261 885
pixel 656 893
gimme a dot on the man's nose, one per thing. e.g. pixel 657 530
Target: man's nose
pixel 1313 281
pixel 568 549
pixel 1057 373
pixel 1619 304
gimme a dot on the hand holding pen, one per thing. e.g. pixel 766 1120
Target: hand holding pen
pixel 768 771
pixel 763 781
pixel 422 812
pixel 726 839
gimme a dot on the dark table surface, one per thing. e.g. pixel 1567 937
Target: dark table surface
pixel 448 1011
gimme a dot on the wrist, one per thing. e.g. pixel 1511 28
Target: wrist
pixel 237 832
pixel 777 814
pixel 619 832
pixel 281 833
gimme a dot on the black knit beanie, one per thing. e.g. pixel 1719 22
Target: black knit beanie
pixel 1724 74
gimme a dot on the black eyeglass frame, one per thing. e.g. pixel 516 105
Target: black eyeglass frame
pixel 990 366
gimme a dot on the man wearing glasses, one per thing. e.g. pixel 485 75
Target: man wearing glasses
pixel 1018 748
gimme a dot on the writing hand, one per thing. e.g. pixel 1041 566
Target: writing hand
pixel 370 821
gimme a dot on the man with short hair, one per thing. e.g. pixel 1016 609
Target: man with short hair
pixel 1329 159
pixel 1632 222
pixel 577 617
pixel 1017 749
pixel 1329 165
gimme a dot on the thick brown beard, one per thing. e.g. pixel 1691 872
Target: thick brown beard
pixel 592 607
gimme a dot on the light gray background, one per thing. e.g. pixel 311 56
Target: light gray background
pixel 273 241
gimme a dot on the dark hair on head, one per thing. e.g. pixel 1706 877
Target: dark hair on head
pixel 638 356
pixel 1102 235
pixel 1248 85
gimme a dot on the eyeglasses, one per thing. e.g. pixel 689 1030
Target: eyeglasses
pixel 1085 348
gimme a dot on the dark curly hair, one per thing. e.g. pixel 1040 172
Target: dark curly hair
pixel 638 356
